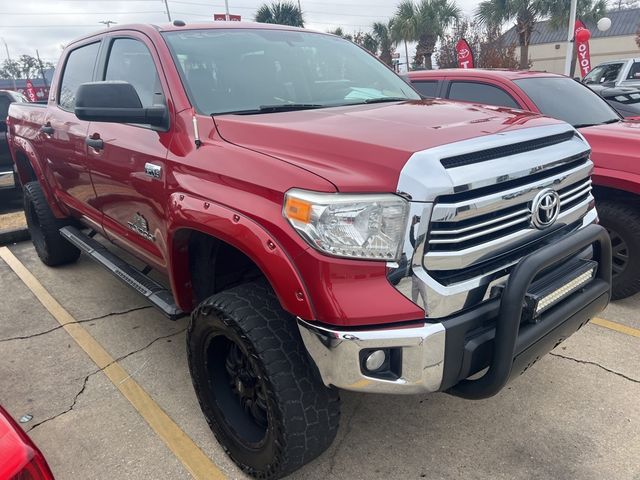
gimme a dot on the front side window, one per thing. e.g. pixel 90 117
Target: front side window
pixel 130 61
pixel 481 93
pixel 565 99
pixel 603 73
pixel 77 70
pixel 428 88
pixel 244 71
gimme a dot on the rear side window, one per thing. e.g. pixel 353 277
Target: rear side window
pixel 481 93
pixel 130 61
pixel 634 71
pixel 78 70
pixel 427 88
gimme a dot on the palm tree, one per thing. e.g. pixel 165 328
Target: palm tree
pixel 382 33
pixel 423 22
pixel 525 12
pixel 284 13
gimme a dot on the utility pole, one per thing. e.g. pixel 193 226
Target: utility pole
pixel 570 35
pixel 13 77
pixel 166 6
pixel 44 78
pixel 107 23
pixel 226 10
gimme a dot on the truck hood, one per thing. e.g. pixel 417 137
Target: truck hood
pixel 363 148
pixel 615 146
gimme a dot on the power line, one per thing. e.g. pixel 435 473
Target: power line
pixel 82 13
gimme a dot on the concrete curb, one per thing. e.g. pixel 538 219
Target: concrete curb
pixel 13 235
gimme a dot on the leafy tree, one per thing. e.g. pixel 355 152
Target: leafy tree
pixel 485 43
pixel 382 33
pixel 25 66
pixel 366 41
pixel 526 14
pixel 424 22
pixel 283 13
pixel 341 33
pixel 625 4
pixel 588 10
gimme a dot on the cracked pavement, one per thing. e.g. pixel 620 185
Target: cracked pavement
pixel 574 415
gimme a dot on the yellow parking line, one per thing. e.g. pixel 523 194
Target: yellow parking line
pixel 618 327
pixel 193 459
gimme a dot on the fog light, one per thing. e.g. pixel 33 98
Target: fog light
pixel 375 360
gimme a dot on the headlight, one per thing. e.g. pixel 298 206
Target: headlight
pixel 363 226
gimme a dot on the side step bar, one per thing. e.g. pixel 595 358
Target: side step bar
pixel 158 295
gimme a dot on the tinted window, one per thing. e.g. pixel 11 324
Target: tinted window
pixel 568 100
pixel 603 73
pixel 481 93
pixel 426 88
pixel 78 70
pixel 131 61
pixel 634 71
pixel 229 70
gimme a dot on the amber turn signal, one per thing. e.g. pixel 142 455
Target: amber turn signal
pixel 296 209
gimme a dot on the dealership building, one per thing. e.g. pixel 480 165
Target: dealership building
pixel 548 46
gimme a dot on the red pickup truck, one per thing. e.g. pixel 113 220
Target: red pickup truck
pixel 324 226
pixel 614 141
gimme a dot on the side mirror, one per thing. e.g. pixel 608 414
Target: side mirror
pixel 116 102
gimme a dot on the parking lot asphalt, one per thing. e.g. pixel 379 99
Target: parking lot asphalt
pixel 574 415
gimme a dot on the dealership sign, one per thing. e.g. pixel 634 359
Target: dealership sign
pixel 582 36
pixel 465 55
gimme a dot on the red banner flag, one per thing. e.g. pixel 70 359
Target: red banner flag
pixel 465 55
pixel 31 92
pixel 582 36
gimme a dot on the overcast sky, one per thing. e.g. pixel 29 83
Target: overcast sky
pixel 27 25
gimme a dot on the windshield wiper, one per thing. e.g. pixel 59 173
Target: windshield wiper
pixel 385 99
pixel 613 120
pixel 606 122
pixel 281 107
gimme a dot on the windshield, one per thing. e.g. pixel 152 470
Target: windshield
pixel 242 70
pixel 603 73
pixel 568 100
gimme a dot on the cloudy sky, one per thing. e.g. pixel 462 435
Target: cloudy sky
pixel 27 25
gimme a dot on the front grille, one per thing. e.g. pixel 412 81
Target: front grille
pixel 472 227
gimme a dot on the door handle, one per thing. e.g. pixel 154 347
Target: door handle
pixel 95 143
pixel 47 129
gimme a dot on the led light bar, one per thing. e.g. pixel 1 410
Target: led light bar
pixel 558 285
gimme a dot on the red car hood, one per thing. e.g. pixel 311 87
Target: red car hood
pixel 615 147
pixel 364 147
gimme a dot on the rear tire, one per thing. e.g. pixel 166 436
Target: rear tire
pixel 44 229
pixel 623 224
pixel 255 382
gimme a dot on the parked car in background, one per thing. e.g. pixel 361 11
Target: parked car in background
pixel 626 100
pixel 615 144
pixel 20 459
pixel 616 73
pixel 7 178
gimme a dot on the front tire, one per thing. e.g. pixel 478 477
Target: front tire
pixel 255 383
pixel 623 224
pixel 44 229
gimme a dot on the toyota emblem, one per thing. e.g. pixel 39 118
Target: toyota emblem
pixel 545 208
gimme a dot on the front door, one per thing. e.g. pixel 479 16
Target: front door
pixel 128 161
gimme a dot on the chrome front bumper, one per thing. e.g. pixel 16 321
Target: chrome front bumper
pixel 337 354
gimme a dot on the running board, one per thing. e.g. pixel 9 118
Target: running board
pixel 158 295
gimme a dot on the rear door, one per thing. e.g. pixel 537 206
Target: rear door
pixel 129 171
pixel 63 134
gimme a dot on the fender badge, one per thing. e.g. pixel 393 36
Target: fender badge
pixel 140 225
